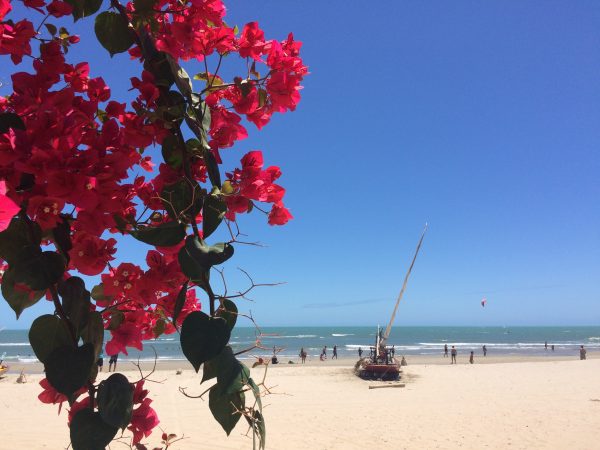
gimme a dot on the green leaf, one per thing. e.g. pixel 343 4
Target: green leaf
pixel 61 235
pixel 90 432
pixel 51 29
pixel 68 369
pixel 164 235
pixel 225 408
pixel 257 423
pixel 212 167
pixel 171 152
pixel 144 7
pixel 179 302
pixel 93 333
pixel 75 301
pixel 113 32
pixel 183 199
pixel 172 106
pixel 158 64
pixel 222 363
pixel 198 274
pixel 46 334
pixel 15 240
pixel 39 271
pixel 98 294
pixel 18 296
pixel 207 256
pixel 116 319
pixel 115 400
pixel 10 120
pixel 84 8
pixel 203 337
pixel 228 311
pixel 182 79
pixel 256 392
pixel 212 214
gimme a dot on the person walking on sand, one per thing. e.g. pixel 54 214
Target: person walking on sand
pixel 445 350
pixel 334 352
pixel 552 346
pixel 582 353
pixel 546 345
pixel 324 353
pixel 453 354
pixel 359 352
pixel 471 358
pixel 484 350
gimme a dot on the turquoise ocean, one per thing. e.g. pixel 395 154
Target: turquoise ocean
pixel 14 345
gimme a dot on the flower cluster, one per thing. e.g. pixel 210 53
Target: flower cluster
pixel 70 157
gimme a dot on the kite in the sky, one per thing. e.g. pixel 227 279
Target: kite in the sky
pixel 483 302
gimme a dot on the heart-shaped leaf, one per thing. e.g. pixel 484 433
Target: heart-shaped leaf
pixel 17 238
pixel 10 120
pixel 164 235
pixel 90 432
pixel 229 312
pixel 75 301
pixel 171 151
pixel 47 333
pixel 18 296
pixel 40 270
pixel 84 8
pixel 113 32
pixel 213 213
pixel 68 368
pixel 61 235
pixel 203 337
pixel 208 255
pixel 183 199
pixel 226 408
pixel 194 271
pixel 179 302
pixel 115 400
pixel 93 333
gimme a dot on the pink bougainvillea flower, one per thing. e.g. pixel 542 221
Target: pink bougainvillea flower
pixel 8 208
pixel 279 215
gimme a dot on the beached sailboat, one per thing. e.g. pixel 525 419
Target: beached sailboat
pixel 382 364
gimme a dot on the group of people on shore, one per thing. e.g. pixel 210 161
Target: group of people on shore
pixel 323 356
pixel 454 352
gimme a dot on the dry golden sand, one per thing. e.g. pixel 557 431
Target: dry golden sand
pixel 506 403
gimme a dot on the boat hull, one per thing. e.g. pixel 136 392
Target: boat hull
pixel 379 372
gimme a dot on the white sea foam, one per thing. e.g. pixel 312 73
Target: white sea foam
pixel 28 360
pixel 14 344
pixel 299 336
pixel 341 335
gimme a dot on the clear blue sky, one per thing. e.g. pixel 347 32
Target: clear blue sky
pixel 481 118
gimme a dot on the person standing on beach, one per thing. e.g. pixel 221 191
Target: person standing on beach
pixel 552 347
pixel 484 350
pixel 99 362
pixel 302 355
pixel 334 352
pixel 546 345
pixel 324 353
pixel 359 352
pixel 445 350
pixel 113 362
pixel 582 353
pixel 471 358
pixel 453 354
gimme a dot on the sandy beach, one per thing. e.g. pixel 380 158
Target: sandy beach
pixel 516 403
